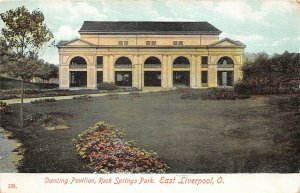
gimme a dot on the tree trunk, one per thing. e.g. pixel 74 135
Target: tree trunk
pixel 21 108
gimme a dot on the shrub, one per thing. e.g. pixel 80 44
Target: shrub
pixel 214 94
pixel 106 151
pixel 82 97
pixel 276 75
pixel 113 96
pixel 5 108
pixel 37 101
pixel 135 94
pixel 107 86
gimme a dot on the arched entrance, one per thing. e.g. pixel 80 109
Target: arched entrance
pixel 152 72
pixel 181 71
pixel 78 74
pixel 225 71
pixel 123 72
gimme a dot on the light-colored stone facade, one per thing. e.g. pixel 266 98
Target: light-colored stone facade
pixel 138 48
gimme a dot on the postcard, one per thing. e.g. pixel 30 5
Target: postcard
pixel 149 96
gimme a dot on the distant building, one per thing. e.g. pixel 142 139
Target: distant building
pixel 141 54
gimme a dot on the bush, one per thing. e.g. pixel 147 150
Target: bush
pixel 37 101
pixel 214 94
pixel 107 86
pixel 106 151
pixel 135 94
pixel 113 96
pixel 5 108
pixel 82 97
pixel 276 75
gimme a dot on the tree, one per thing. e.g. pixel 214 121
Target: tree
pixel 25 35
pixel 47 71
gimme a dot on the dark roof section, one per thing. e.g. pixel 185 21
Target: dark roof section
pixel 148 27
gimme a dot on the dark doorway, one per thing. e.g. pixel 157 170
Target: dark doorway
pixel 99 77
pixel 152 78
pixel 181 78
pixel 78 79
pixel 225 78
pixel 123 78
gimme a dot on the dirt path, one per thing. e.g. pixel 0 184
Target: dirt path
pixel 8 158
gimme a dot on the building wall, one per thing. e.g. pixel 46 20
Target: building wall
pixel 139 55
pixel 141 40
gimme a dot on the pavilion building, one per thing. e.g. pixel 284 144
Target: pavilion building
pixel 149 54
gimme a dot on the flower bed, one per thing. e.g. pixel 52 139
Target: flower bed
pixel 106 151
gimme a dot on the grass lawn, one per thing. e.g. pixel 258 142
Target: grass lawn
pixel 195 136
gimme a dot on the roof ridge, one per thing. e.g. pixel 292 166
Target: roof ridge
pixel 149 27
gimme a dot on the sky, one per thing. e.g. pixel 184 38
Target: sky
pixel 271 26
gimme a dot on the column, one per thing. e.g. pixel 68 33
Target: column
pixel 212 73
pixel 237 71
pixel 92 75
pixel 193 72
pixel 111 69
pixel 164 76
pixel 64 77
pixel 141 71
pixel 137 72
pixel 64 74
pixel 105 68
pixel 198 71
pixel 169 72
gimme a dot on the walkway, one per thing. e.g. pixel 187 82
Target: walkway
pixel 8 158
pixel 28 100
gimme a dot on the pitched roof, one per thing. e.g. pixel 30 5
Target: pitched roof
pixel 65 42
pixel 148 27
pixel 236 43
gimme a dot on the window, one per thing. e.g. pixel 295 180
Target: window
pixel 204 60
pixel 175 43
pixel 123 43
pixel 204 77
pixel 99 60
pixel 148 43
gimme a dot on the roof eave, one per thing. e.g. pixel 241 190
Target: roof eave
pixel 152 33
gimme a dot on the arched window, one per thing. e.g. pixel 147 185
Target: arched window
pixel 225 62
pixel 152 62
pixel 123 62
pixel 78 62
pixel 181 62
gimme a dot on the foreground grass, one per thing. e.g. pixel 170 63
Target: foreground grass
pixel 259 134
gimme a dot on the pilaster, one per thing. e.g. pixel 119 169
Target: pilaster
pixel 105 68
pixel 164 80
pixel 198 71
pixel 170 72
pixel 111 69
pixel 64 77
pixel 212 74
pixel 137 72
pixel 193 74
